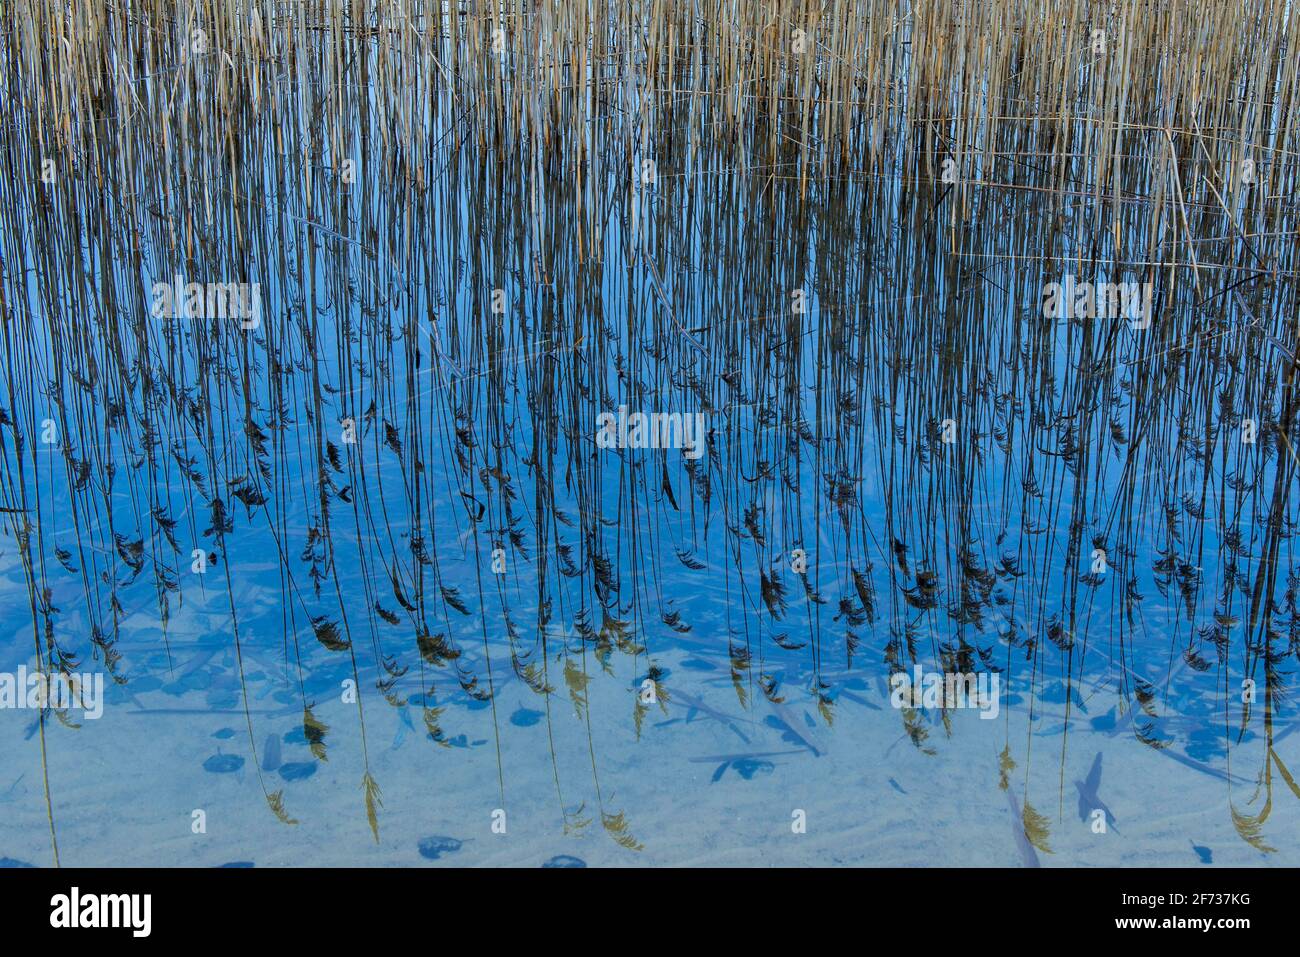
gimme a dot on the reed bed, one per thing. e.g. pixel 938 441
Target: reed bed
pixel 1075 88
pixel 650 189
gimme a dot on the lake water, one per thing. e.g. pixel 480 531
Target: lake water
pixel 376 566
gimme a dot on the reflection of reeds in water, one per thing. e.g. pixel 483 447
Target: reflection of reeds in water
pixel 650 195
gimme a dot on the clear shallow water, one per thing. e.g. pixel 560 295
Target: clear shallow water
pixel 450 608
